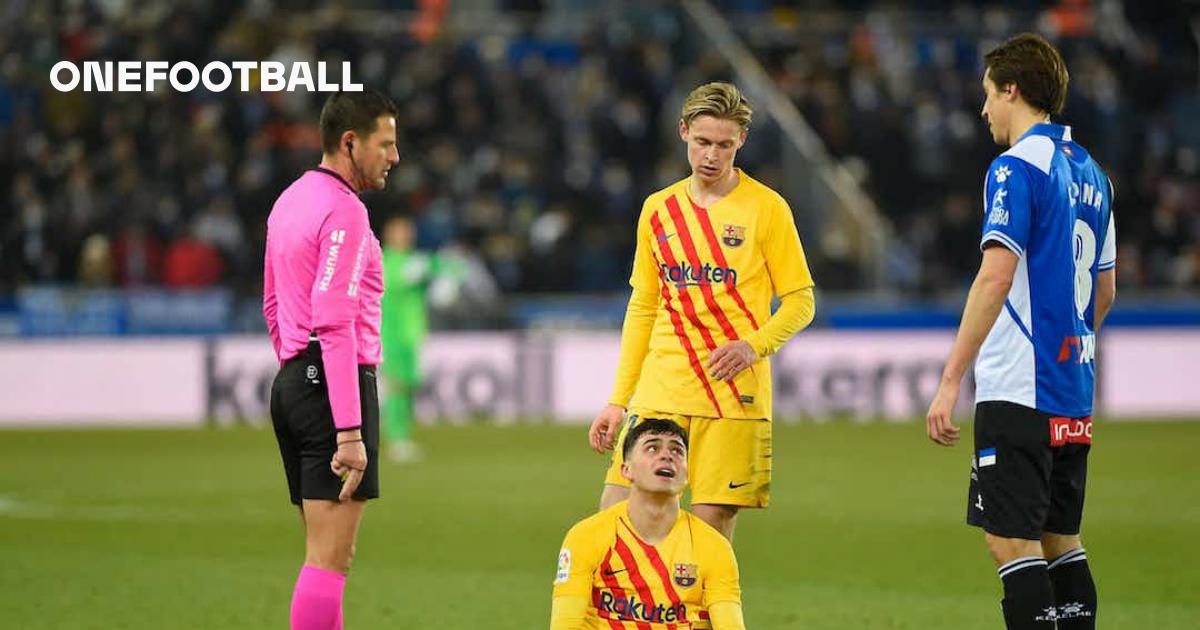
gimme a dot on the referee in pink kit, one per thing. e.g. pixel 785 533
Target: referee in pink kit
pixel 322 284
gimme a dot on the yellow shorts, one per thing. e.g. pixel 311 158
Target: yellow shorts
pixel 729 460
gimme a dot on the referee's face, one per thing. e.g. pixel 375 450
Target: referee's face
pixel 658 464
pixel 712 144
pixel 378 155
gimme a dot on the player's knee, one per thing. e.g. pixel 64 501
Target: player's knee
pixel 1004 550
pixel 1055 545
pixel 612 495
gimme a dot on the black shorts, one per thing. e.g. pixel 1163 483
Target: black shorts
pixel 1028 471
pixel 304 427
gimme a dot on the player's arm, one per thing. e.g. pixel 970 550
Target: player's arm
pixel 344 238
pixel 986 298
pixel 726 616
pixel 791 280
pixel 640 314
pixel 722 594
pixel 1106 279
pixel 1106 294
pixel 1005 234
pixel 577 563
pixel 270 302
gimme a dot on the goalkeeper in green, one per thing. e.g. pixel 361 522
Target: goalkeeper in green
pixel 406 274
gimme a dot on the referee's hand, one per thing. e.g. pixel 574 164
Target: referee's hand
pixel 939 423
pixel 605 427
pixel 349 462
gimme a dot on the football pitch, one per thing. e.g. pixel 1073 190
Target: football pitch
pixel 192 529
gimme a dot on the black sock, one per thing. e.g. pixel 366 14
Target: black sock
pixel 1074 591
pixel 1028 598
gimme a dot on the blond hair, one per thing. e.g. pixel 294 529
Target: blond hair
pixel 719 100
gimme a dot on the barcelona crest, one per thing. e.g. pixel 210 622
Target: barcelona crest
pixel 685 574
pixel 734 235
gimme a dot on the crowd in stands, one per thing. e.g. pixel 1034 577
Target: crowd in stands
pixel 528 150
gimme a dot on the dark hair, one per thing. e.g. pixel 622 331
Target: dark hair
pixel 352 111
pixel 1035 66
pixel 653 426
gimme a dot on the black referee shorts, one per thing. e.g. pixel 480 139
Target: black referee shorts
pixel 1029 471
pixel 304 427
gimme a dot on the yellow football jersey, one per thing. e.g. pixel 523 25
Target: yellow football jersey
pixel 714 270
pixel 631 584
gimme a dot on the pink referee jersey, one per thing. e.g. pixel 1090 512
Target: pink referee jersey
pixel 323 274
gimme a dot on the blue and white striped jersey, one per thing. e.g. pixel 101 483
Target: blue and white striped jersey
pixel 1049 202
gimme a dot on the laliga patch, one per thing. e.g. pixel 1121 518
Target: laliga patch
pixel 733 235
pixel 564 567
pixel 1070 431
pixel 987 457
pixel 686 574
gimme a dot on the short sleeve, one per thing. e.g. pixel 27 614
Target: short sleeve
pixel 722 582
pixel 1008 204
pixel 786 262
pixel 1108 251
pixel 577 563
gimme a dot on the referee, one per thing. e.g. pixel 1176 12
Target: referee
pixel 322 287
pixel 1046 282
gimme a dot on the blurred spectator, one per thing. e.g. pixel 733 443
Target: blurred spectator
pixel 191 263
pixel 527 146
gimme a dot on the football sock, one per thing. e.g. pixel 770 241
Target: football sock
pixel 1028 598
pixel 317 600
pixel 1074 591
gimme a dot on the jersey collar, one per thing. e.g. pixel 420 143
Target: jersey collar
pixel 335 175
pixel 1057 132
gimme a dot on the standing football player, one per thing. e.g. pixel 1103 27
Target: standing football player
pixel 712 250
pixel 1046 282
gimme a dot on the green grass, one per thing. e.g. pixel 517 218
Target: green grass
pixel 192 529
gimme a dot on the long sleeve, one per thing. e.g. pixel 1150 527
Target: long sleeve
pixel 635 344
pixel 568 612
pixel 639 314
pixel 343 247
pixel 726 616
pixel 271 303
pixel 796 311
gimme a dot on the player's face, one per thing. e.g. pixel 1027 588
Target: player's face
pixel 378 153
pixel 997 109
pixel 398 234
pixel 712 143
pixel 658 463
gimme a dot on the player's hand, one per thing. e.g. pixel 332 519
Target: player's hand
pixel 349 462
pixel 605 428
pixel 939 423
pixel 730 359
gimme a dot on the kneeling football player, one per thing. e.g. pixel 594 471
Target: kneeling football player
pixel 645 561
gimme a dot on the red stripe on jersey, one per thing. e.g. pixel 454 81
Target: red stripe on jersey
pixel 635 576
pixel 685 298
pixel 689 249
pixel 715 246
pixel 660 567
pixel 676 321
pixel 613 585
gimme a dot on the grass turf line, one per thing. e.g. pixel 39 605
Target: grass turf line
pixel 192 529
